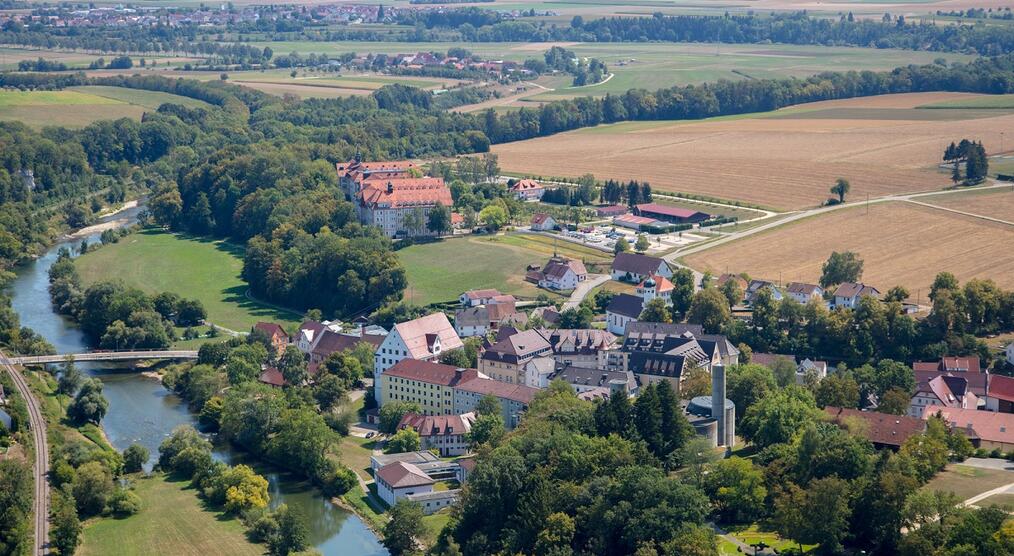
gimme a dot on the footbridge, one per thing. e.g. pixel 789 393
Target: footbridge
pixel 105 355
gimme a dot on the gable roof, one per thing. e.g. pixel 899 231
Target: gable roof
pixel 272 376
pixel 540 218
pixel 581 340
pixel 882 428
pixel 517 347
pixel 976 382
pixel 1001 387
pixel 666 210
pixel 950 364
pixel 635 263
pixel 985 425
pixel 803 289
pixel 403 475
pixel 514 392
pixel 526 185
pixel 406 192
pixel 438 425
pixel 849 290
pixel 734 277
pixel 418 335
pixel 557 268
pixel 430 373
pixel 656 364
pixel 332 342
pixel 272 329
pixel 626 305
pixel 482 294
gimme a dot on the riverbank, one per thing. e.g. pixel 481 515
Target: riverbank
pixel 111 224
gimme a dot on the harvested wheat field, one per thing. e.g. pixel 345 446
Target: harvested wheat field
pixel 901 243
pixel 782 160
pixel 995 203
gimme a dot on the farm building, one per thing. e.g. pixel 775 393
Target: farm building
pixel 672 215
pixel 611 210
pixel 637 223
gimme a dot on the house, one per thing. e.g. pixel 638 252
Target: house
pixel 634 268
pixel 656 286
pixel 755 286
pixel 272 377
pixel 329 341
pixel 548 314
pixel 623 308
pixel 942 391
pixel 472 298
pixel 584 379
pixel 400 480
pixel 560 273
pixel 611 210
pixel 985 429
pixel 1000 394
pixel 803 293
pixel 276 335
pixel 480 320
pixel 808 367
pixel 429 385
pixel 527 190
pixel 848 294
pixel 448 434
pixel 739 280
pixel 424 338
pixel 538 371
pixel 670 214
pixel 587 347
pixel 968 368
pixel 514 398
pixel 883 430
pixel 307 334
pixel 543 222
pixel 505 360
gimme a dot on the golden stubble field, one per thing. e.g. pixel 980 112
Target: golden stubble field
pixel 901 243
pixel 785 160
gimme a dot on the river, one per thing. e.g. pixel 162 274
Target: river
pixel 141 410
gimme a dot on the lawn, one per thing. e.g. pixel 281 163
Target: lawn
pixel 208 270
pixel 1004 499
pixel 356 453
pixel 965 481
pixel 172 520
pixel 752 535
pixel 441 271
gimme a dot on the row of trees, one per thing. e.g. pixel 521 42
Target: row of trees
pixel 973 155
pixel 632 192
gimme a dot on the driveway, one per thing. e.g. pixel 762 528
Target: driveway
pixel 581 291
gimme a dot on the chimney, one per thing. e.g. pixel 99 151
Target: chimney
pixel 726 432
pixel 390 187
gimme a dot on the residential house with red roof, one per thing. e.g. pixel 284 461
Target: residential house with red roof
pixel 634 267
pixel 942 391
pixel 480 320
pixel 528 190
pixel 542 222
pixel 400 480
pixel 329 341
pixel 276 334
pixel 473 298
pixel 448 434
pixel 884 430
pixel 429 385
pixel 656 286
pixel 968 368
pixel 423 339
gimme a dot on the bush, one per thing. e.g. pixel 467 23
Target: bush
pixel 996 453
pixel 134 458
pixel 124 502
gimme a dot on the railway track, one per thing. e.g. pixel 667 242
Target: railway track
pixel 41 468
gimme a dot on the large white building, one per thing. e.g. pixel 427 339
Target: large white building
pixel 424 338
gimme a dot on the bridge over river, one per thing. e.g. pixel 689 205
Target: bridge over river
pixel 109 355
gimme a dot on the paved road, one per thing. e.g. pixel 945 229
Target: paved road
pixel 990 463
pixel 41 468
pixel 581 291
pixel 106 356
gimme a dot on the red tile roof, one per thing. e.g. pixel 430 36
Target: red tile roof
pixel 526 185
pixel 882 428
pixel 985 425
pixel 406 192
pixel 430 373
pixel 662 284
pixel 437 425
pixel 656 208
pixel 272 376
pixel 333 342
pixel 1001 387
pixel 402 475
pixel 539 218
pixel 850 290
pixel 271 329
pixel 414 334
pixel 482 294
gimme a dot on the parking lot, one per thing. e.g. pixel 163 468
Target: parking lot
pixel 605 236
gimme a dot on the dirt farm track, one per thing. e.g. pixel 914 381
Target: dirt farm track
pixel 784 160
pixel 902 244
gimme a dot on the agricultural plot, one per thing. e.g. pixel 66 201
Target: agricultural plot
pixel 80 106
pixel 785 159
pixel 901 243
pixel 995 203
pixel 323 85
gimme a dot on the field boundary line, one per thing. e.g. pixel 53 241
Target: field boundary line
pixel 961 212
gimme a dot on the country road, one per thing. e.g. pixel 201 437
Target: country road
pixel 583 289
pixel 41 467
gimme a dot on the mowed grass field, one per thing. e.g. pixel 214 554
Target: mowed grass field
pixel 172 520
pixel 207 270
pixel 966 481
pixel 441 271
pixel 80 106
pixel 787 159
pixel 995 203
pixel 901 244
